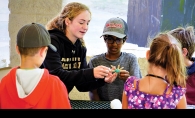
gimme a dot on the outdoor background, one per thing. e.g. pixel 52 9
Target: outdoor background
pixel 4 37
pixel 102 10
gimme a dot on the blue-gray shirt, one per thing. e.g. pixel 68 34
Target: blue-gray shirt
pixel 114 90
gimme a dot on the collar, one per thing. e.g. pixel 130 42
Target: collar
pixel 191 69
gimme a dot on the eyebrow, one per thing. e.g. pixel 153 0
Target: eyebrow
pixel 84 20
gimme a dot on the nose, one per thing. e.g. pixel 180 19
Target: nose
pixel 85 26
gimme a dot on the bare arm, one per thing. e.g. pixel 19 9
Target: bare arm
pixel 182 103
pixel 124 101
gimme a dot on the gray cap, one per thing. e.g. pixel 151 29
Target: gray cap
pixel 34 35
pixel 116 27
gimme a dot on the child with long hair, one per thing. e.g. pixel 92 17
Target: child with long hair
pixel 69 62
pixel 164 85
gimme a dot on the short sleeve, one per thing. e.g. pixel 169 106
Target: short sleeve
pixel 178 93
pixel 128 85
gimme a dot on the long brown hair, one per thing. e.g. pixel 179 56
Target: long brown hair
pixel 166 52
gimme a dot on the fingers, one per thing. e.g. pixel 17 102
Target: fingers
pixel 124 74
pixel 105 72
pixel 104 68
pixel 110 78
pixel 101 71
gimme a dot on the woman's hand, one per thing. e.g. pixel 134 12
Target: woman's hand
pixel 111 77
pixel 105 73
pixel 101 71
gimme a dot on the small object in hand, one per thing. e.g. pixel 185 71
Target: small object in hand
pixel 118 69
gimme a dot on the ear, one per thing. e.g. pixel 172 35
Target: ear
pixel 17 50
pixel 67 21
pixel 42 51
pixel 185 52
pixel 147 54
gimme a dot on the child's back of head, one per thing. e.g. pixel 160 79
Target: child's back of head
pixel 31 37
pixel 187 38
pixel 32 42
pixel 27 86
pixel 165 51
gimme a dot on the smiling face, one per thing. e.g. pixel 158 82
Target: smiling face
pixel 77 27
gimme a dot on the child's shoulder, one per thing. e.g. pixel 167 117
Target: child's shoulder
pixel 129 54
pixel 179 88
pixel 131 79
pixel 98 56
